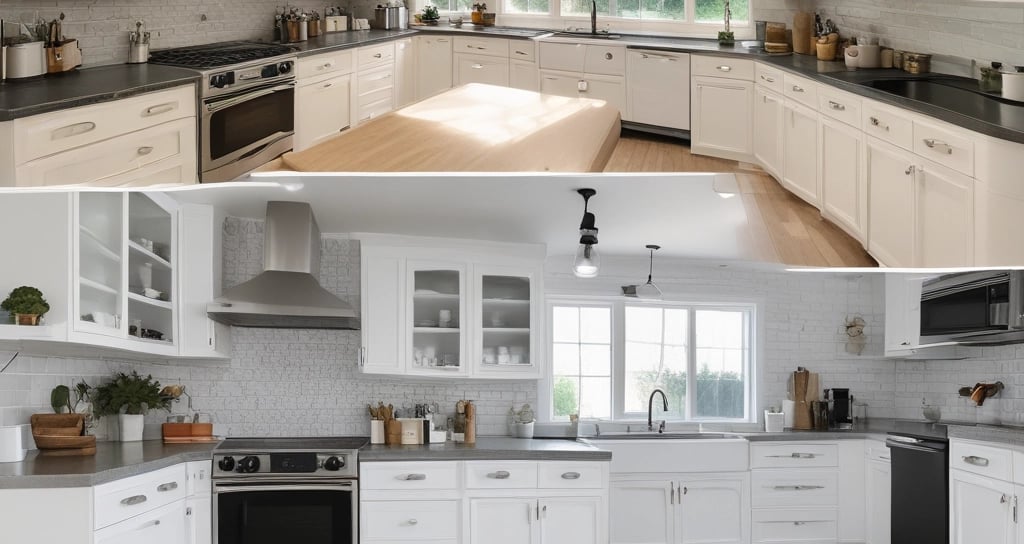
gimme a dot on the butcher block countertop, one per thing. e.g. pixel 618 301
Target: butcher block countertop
pixel 472 128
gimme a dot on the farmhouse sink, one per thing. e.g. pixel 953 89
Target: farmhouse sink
pixel 674 452
pixel 583 34
pixel 664 436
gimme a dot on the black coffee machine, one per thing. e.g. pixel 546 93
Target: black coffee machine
pixel 841 413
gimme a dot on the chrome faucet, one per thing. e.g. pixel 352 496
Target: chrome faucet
pixel 650 406
pixel 593 16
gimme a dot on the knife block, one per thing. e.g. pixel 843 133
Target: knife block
pixel 64 57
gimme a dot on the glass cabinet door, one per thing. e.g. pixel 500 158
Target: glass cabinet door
pixel 437 315
pixel 100 263
pixel 150 271
pixel 505 320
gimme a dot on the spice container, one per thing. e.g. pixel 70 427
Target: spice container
pixel 917 63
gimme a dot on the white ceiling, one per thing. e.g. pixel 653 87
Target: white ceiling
pixel 684 213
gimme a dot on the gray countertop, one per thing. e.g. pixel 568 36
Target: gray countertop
pixel 113 461
pixel 1008 435
pixel 332 41
pixel 486 448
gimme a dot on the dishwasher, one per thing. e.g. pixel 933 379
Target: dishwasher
pixel 920 489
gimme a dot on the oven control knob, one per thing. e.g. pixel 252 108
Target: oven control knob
pixel 219 81
pixel 284 67
pixel 333 463
pixel 227 464
pixel 249 464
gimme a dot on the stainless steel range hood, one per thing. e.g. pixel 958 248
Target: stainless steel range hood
pixel 287 294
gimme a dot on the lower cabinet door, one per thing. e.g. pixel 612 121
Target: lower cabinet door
pixel 523 75
pixel 721 114
pixel 560 83
pixel 945 217
pixel 571 519
pixel 768 131
pixel 199 513
pixel 980 510
pixel 164 525
pixel 642 512
pixel 891 196
pixel 879 503
pixel 800 153
pixel 843 194
pixel 611 89
pixel 713 510
pixel 503 521
pixel 321 110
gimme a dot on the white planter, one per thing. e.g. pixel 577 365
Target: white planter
pixel 131 427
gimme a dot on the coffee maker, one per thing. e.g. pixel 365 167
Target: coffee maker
pixel 842 408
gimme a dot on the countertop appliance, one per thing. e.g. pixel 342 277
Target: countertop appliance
pixel 273 490
pixel 974 308
pixel 246 103
pixel 24 60
pixel 920 485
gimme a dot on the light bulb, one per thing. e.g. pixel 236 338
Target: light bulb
pixel 587 261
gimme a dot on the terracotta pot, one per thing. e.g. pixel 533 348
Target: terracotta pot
pixel 26 319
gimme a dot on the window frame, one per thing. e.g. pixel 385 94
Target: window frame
pixel 754 364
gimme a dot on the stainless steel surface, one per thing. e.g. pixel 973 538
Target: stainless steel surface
pixel 665 436
pixel 1006 320
pixel 25 60
pixel 224 487
pixel 287 294
pixel 650 409
pixel 597 35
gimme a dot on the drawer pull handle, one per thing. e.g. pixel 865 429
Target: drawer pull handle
pixel 795 455
pixel 799 523
pixel 876 123
pixel 159 108
pixel 909 172
pixel 798 89
pixel 938 145
pixel 797 487
pixel 1003 499
pixel 768 79
pixel 133 500
pixel 378 55
pixel 169 486
pixel 413 477
pixel 975 460
pixel 468 46
pixel 72 130
pixel 570 475
pixel 442 41
pixel 144 150
pixel 412 521
pixel 724 68
pixel 328 85
pixel 836 105
pixel 518 52
pixel 326 65
pixel 882 457
pixel 477 66
pixel 658 57
pixel 500 475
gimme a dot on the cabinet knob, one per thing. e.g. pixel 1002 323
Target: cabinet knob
pixel 910 170
pixel 145 150
pixel 608 56
pixel 724 68
pixel 500 475
pixel 412 521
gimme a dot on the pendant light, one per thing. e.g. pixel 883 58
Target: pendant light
pixel 649 291
pixel 587 261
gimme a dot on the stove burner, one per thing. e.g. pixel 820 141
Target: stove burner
pixel 218 54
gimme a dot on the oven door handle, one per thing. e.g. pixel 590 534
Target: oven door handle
pixel 344 486
pixel 215 107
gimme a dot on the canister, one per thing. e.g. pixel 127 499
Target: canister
pixel 25 60
pixel 1013 84
pixel 11 448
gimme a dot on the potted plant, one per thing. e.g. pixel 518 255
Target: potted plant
pixel 727 37
pixel 430 15
pixel 63 416
pixel 26 304
pixel 477 16
pixel 129 396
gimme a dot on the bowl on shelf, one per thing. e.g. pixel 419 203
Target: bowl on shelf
pixel 931 412
pixel 425 323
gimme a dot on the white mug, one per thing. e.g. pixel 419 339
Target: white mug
pixel 444 317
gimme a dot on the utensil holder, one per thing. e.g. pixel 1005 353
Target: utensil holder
pixel 376 431
pixel 393 437
pixel 826 51
pixel 138 53
pixel 774 422
pixel 524 430
pixel 293 30
pixel 313 28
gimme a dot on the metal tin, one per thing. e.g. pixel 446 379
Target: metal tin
pixel 917 63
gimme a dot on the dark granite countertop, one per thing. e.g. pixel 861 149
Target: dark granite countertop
pixel 468 29
pixel 873 428
pixel 87 86
pixel 113 461
pixel 332 41
pixel 488 448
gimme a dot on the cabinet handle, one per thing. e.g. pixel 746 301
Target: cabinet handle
pixel 551 78
pixel 544 510
pixel 938 145
pixel 672 493
pixel 797 487
pixel 659 57
pixel 500 475
pixel 799 523
pixel 836 105
pixel 133 500
pixel 413 477
pixel 975 460
pixel 153 523
pixel 327 85
pixel 159 108
pixel 169 486
pixel 1015 508
pixel 477 66
pixel 385 76
pixel 909 172
pixel 518 52
pixel 468 46
pixel 144 150
pixel 529 514
pixel 876 123
pixel 362 356
pixel 378 55
pixel 412 521
pixel 326 65
pixel 570 475
pixel 442 41
pixel 795 455
pixel 724 68
pixel 1003 499
pixel 768 79
pixel 608 56
pixel 797 89
pixel 72 130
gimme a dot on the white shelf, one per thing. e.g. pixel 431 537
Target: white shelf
pixel 437 330
pixel 435 296
pixel 148 255
pixel 506 301
pixel 150 301
pixel 97 286
pixel 97 244
pixel 21 332
pixel 508 330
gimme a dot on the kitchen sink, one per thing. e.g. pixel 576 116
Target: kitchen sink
pixel 591 35
pixel 663 436
pixel 958 95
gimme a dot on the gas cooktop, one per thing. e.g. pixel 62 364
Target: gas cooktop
pixel 215 55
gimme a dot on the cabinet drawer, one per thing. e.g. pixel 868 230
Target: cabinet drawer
pixel 119 500
pixel 768 77
pixel 945 146
pixel 374 110
pixel 522 50
pixel 841 106
pixel 376 97
pixel 606 60
pixel 340 62
pixel 981 459
pixel 49 133
pixel 887 124
pixel 491 47
pixel 501 474
pixel 552 475
pixel 166 524
pixel 793 455
pixel 432 475
pixel 370 82
pixel 722 67
pixel 108 162
pixel 568 57
pixel 375 55
pixel 813 487
pixel 409 520
pixel 795 525
pixel 876 450
pixel 478 69
pixel 801 90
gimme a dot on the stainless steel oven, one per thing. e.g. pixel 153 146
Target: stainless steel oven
pixel 244 130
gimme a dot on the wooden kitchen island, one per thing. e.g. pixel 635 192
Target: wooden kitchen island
pixel 472 128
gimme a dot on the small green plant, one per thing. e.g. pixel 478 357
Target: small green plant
pixel 430 13
pixel 60 398
pixel 25 300
pixel 129 394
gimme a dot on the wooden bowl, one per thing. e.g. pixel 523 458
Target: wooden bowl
pixel 58 421
pixel 49 442
pixel 58 431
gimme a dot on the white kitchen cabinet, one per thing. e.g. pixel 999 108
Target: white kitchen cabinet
pixel 903 320
pixel 436 317
pixel 503 521
pixel 611 89
pixel 199 520
pixel 657 89
pixel 508 304
pixel 481 69
pixel 374 91
pixel 586 71
pixel 721 113
pixel 405 71
pixel 433 65
pixel 981 509
pixel 199 275
pixel 767 139
pixel 800 152
pixel 642 511
pixel 523 74
pixel 382 314
pixel 890 174
pixel 843 191
pixel 713 508
pixel 879 503
pixel 322 109
pixel 571 519
pixel 560 83
pixel 164 525
pixel 945 217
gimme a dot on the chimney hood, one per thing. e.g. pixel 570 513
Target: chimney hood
pixel 287 294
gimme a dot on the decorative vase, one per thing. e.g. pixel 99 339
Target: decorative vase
pixel 726 38
pixel 26 319
pixel 131 427
pixel 477 17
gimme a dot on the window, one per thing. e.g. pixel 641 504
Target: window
pixel 452 6
pixel 713 11
pixel 528 6
pixel 607 359
pixel 674 10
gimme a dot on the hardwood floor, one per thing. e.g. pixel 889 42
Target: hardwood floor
pixel 785 228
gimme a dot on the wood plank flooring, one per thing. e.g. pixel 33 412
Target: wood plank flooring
pixel 784 228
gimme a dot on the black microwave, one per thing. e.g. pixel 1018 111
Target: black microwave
pixel 984 307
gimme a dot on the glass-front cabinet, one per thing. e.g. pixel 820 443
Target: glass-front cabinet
pixel 436 317
pixel 504 321
pixel 99 246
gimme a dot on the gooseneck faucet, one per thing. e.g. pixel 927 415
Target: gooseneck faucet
pixel 593 16
pixel 650 406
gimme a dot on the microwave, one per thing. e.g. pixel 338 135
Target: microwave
pixel 973 308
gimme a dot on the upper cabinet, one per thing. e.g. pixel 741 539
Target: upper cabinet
pixel 455 311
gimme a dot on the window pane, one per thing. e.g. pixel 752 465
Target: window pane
pixel 565 324
pixel 565 396
pixel 566 359
pixel 582 7
pixel 722 353
pixel 596 325
pixel 595 360
pixel 643 324
pixel 581 362
pixel 527 6
pixel 676 327
pixel 595 397
pixel 651 364
pixel 713 11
